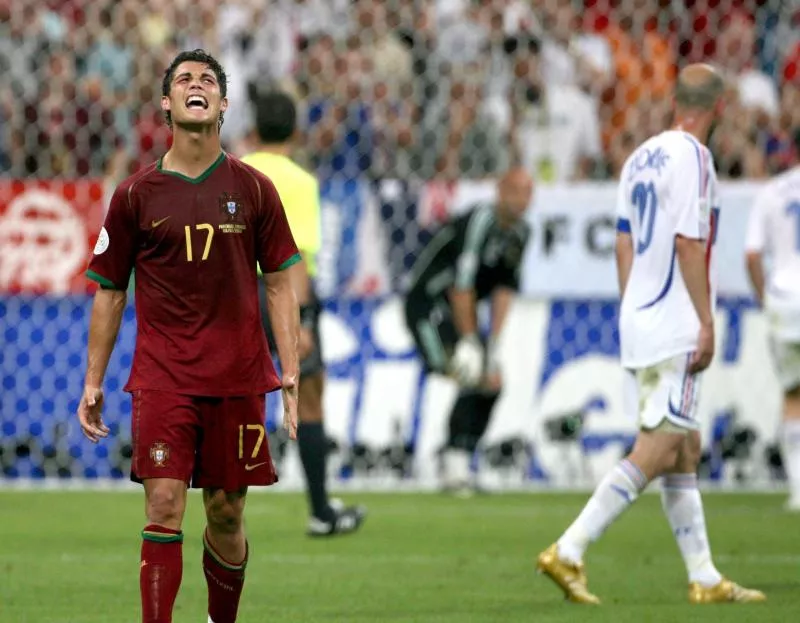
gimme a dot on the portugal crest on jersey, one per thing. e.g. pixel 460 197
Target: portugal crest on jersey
pixel 230 205
pixel 159 452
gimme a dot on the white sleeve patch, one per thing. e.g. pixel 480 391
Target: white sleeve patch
pixel 102 242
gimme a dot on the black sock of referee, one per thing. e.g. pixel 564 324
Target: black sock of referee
pixel 314 454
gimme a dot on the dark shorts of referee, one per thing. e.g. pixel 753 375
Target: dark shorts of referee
pixel 430 321
pixel 313 363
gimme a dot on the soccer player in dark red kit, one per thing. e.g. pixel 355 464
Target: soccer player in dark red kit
pixel 194 226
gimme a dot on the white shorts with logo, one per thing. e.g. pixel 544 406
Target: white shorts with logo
pixel 664 391
pixel 786 355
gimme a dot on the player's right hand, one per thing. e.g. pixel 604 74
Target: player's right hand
pixel 289 390
pixel 90 414
pixel 704 354
pixel 467 362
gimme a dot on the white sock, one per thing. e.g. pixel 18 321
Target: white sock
pixel 615 493
pixel 683 506
pixel 790 434
pixel 456 467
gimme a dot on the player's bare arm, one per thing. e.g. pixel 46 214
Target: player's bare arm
pixel 464 310
pixel 755 269
pixel 691 254
pixel 624 253
pixel 285 318
pixel 107 311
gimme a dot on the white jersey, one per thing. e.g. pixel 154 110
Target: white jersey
pixel 774 229
pixel 668 187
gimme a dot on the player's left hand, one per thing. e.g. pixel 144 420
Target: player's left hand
pixel 90 414
pixel 289 390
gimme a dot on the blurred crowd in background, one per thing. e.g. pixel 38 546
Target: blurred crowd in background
pixel 436 89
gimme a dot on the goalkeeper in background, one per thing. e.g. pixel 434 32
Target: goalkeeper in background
pixel 275 117
pixel 473 257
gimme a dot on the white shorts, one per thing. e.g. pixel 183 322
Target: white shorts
pixel 787 361
pixel 663 393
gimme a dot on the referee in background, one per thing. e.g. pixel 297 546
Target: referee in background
pixel 276 123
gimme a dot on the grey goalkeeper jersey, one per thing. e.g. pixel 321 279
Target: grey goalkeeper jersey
pixel 471 251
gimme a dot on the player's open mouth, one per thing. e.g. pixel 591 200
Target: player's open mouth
pixel 196 101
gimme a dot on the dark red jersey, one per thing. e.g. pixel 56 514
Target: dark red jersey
pixel 194 245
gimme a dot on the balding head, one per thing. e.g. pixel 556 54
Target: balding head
pixel 514 193
pixel 699 87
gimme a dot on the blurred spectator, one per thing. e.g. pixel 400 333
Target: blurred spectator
pixel 554 127
pixel 390 60
pixel 339 128
pixel 734 141
pixel 69 129
pixel 316 72
pixel 784 148
pixel 735 55
pixel 459 137
pixel 570 56
pixel 445 88
pixel 156 28
pixel 643 66
pixel 111 58
pixel 23 46
pixel 419 36
pixel 461 42
pixel 392 119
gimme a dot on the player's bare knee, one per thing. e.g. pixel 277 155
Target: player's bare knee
pixel 656 453
pixel 165 505
pixel 224 511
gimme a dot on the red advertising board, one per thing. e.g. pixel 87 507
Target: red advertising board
pixel 47 231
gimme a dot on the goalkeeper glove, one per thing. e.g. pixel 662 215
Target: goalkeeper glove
pixel 467 362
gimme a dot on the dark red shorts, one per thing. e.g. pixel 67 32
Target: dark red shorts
pixel 206 442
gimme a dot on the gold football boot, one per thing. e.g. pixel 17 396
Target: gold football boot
pixel 724 592
pixel 570 577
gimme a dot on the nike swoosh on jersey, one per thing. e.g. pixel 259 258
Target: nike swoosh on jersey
pixel 155 223
pixel 250 468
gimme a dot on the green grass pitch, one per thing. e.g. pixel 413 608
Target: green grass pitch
pixel 69 557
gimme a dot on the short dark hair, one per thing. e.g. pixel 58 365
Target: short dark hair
pixel 198 56
pixel 276 117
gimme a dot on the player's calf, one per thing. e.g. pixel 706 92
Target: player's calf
pixel 161 567
pixel 225 553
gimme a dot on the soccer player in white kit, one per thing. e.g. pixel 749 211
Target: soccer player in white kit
pixel 667 216
pixel 774 230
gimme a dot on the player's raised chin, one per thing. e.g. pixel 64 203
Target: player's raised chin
pixel 195 97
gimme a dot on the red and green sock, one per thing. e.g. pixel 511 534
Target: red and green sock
pixel 225 580
pixel 160 572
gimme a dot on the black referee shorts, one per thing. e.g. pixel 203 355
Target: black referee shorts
pixel 430 321
pixel 313 363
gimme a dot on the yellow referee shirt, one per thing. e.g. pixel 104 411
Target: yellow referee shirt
pixel 299 193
